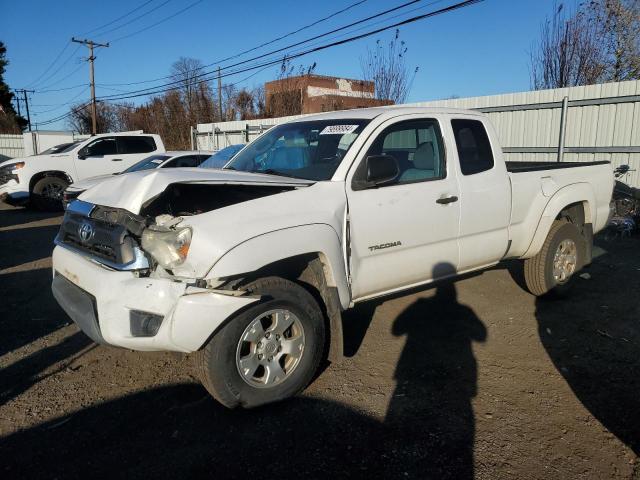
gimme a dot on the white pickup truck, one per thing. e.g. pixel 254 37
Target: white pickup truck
pixel 42 179
pixel 250 267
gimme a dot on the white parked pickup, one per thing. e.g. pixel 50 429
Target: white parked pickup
pixel 250 267
pixel 41 179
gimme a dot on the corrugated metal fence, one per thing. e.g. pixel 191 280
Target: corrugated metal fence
pixel 597 122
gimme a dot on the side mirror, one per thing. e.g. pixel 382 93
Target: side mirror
pixel 82 154
pixel 381 169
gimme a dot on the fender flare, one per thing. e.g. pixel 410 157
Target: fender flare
pixel 271 247
pixel 571 194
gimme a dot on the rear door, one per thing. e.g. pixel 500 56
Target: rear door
pixel 485 193
pixel 406 232
pixel 134 148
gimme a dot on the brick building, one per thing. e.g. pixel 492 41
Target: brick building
pixel 317 93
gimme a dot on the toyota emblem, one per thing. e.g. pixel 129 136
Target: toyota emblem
pixel 85 232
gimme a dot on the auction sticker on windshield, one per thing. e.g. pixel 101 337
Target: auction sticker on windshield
pixel 338 129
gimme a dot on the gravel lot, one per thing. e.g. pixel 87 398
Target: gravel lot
pixel 472 379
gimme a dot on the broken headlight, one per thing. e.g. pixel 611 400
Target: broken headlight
pixel 168 247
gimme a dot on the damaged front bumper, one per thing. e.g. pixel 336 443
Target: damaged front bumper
pixel 108 305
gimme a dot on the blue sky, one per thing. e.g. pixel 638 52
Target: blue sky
pixel 479 50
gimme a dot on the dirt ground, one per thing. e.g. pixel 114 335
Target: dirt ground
pixel 472 379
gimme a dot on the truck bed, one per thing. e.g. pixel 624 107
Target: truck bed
pixel 534 184
pixel 519 167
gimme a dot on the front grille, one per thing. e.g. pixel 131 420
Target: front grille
pixel 108 241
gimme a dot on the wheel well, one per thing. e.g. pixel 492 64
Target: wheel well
pixel 309 271
pixel 51 173
pixel 574 213
pixel 577 214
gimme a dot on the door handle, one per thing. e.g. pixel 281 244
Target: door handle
pixel 116 159
pixel 445 200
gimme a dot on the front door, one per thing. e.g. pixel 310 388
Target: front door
pixel 100 157
pixel 406 232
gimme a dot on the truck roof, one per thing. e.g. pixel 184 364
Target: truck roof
pixel 369 113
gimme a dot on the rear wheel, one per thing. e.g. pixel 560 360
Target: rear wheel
pixel 267 353
pixel 561 256
pixel 47 193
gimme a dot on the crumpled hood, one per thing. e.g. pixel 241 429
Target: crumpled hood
pixel 131 190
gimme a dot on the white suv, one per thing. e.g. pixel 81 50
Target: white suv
pixel 42 179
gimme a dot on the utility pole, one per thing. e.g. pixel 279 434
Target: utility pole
pixel 26 103
pixel 220 95
pixel 91 44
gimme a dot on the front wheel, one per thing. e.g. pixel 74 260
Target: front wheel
pixel 561 256
pixel 267 353
pixel 47 193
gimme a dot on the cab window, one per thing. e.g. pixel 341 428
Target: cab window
pixel 474 148
pixel 417 147
pixel 136 144
pixel 101 146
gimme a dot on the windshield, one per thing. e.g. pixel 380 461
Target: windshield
pixel 154 161
pixel 221 157
pixel 62 148
pixel 311 150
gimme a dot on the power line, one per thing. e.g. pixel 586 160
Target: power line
pixel 161 89
pixel 63 89
pixel 159 22
pixel 57 70
pixel 64 49
pixel 411 2
pixel 119 18
pixel 102 34
pixel 65 115
pixel 60 105
pixel 75 70
pixel 316 22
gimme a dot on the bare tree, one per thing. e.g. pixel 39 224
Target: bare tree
pixel 386 66
pixel 598 42
pixel 260 102
pixel 244 102
pixel 107 118
pixel 617 25
pixel 567 53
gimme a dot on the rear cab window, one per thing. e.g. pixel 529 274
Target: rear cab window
pixel 136 144
pixel 474 148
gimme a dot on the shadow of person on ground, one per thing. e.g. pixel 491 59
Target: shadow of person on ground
pixel 437 380
pixel 179 431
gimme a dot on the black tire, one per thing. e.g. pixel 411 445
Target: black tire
pixel 216 363
pixel 538 270
pixel 47 194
